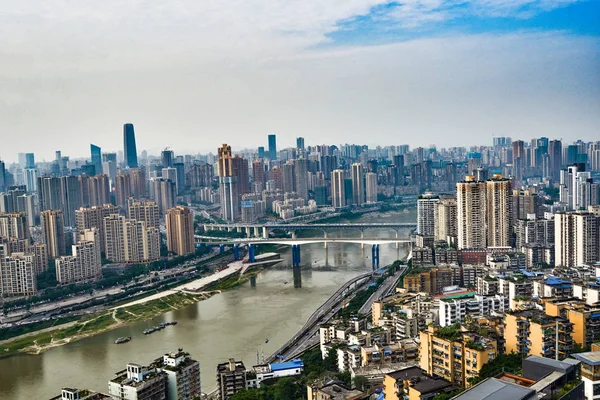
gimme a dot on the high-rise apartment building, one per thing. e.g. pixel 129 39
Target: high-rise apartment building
pixel 179 222
pixel 371 187
pixel 358 185
pixel 146 211
pixel 84 264
pixel 498 211
pixel 122 189
pixel 258 173
pixel 273 147
pixel 241 171
pixel 301 178
pixel 99 190
pixel 471 213
pixel 53 232
pixel 93 218
pixel 14 226
pixel 228 188
pixel 446 220
pixel 338 193
pixel 139 185
pixel 138 382
pixel 164 193
pixel 183 375
pixel 18 275
pixel 130 150
pixel 426 206
pixel 576 239
pixel 555 158
pixel 71 200
pixel 130 241
pixel 49 193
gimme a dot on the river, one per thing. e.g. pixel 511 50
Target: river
pixel 235 324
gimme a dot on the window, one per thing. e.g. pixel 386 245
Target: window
pixel 596 389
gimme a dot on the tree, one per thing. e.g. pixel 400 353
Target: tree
pixel 330 362
pixel 286 389
pixel 345 377
pixel 360 382
pixel 249 394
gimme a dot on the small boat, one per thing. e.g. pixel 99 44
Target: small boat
pixel 267 341
pixel 123 340
pixel 285 283
pixel 149 331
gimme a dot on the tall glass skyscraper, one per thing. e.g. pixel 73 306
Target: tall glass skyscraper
pixel 272 147
pixel 96 157
pixel 130 151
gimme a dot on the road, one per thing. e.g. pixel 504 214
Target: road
pixel 305 336
pixel 385 289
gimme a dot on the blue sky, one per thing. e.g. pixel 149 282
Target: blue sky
pixel 193 74
pixel 376 27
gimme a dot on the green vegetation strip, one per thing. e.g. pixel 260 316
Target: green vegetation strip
pixel 89 325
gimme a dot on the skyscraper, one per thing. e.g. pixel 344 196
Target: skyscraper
pixel 70 198
pixel 85 262
pixel 358 186
pixel 29 160
pixel 338 194
pixel 555 154
pixel 301 178
pixel 471 213
pixel 228 188
pixel 179 223
pixel 576 239
pixel 426 205
pixel 300 143
pixel 130 151
pixel 2 176
pixel 122 189
pixel 498 211
pixel 445 220
pixel 96 157
pixel 371 181
pixel 53 232
pixel 166 158
pixel 17 275
pixel 272 147
pixel 128 240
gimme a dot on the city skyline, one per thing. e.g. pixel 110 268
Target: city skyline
pixel 363 71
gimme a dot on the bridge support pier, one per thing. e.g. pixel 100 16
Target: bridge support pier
pixel 325 237
pixel 362 237
pixel 256 231
pixel 236 252
pixel 293 234
pixel 251 257
pixel 375 256
pixel 397 236
pixel 265 232
pixel 221 248
pixel 296 256
pixel 248 232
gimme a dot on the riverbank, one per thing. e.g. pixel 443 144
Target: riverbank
pixel 40 341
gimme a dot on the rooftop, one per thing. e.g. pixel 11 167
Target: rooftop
pixel 496 389
pixel 590 358
pixel 287 365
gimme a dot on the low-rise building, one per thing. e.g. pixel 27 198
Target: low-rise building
pixel 455 309
pixel 264 372
pixel 183 375
pixel 231 378
pixel 80 394
pixel 334 390
pixel 413 383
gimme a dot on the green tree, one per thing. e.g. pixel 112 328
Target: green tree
pixel 360 382
pixel 249 394
pixel 330 362
pixel 286 389
pixel 345 377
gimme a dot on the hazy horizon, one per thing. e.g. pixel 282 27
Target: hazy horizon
pixel 193 75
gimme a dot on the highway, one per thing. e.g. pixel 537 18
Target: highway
pixel 304 339
pixel 385 289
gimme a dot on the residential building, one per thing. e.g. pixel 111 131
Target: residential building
pixel 455 309
pixel 277 370
pixel 129 240
pixel 84 264
pixel 446 220
pixel 455 355
pixel 471 213
pixel 146 211
pixel 498 211
pixel 53 232
pixel 228 188
pixel 138 382
pixel 80 394
pixel 585 319
pixel 122 189
pixel 533 332
pixel 231 378
pixel 18 275
pixel 93 218
pixel 413 383
pixel 183 375
pixel 179 223
pixel 371 187
pixel 338 193
pixel 14 226
pixel 333 389
pixel 576 238
pixel 358 185
pixel 431 281
pixel 426 206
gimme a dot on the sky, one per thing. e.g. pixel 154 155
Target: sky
pixel 192 74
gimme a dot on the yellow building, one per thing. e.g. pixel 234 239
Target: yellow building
pixel 454 354
pixel 533 332
pixel 412 383
pixel 585 319
pixel 431 281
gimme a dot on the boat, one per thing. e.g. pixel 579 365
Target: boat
pixel 124 339
pixel 149 331
pixel 267 341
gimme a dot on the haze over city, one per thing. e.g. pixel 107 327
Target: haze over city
pixel 362 71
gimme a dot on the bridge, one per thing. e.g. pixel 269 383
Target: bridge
pixel 296 242
pixel 262 230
